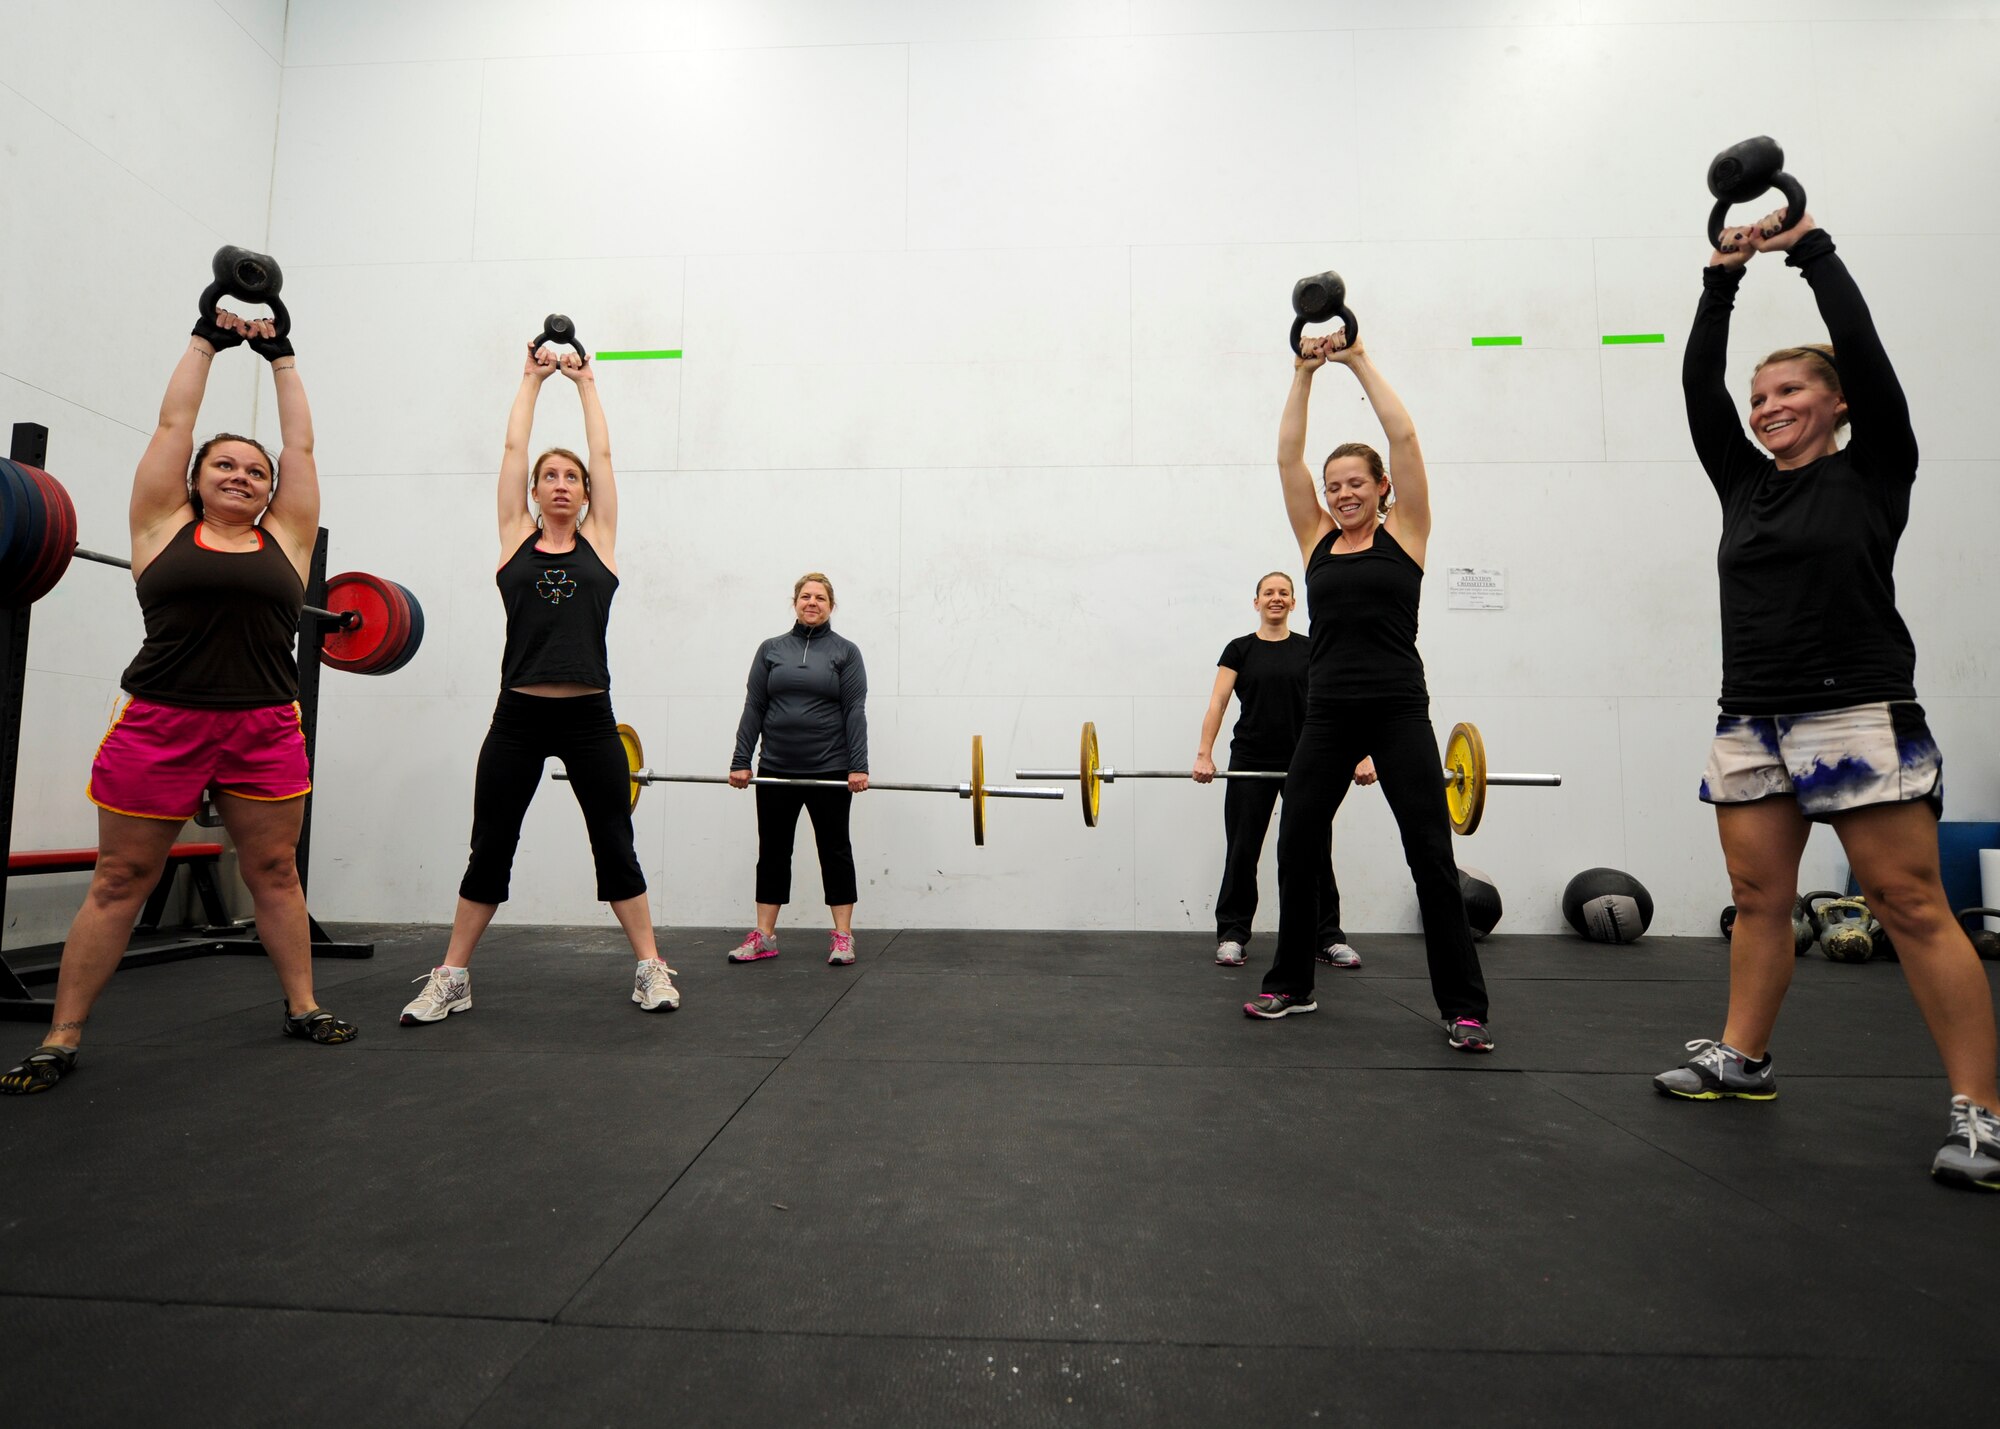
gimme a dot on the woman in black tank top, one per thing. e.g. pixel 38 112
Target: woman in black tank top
pixel 221 541
pixel 558 572
pixel 1364 553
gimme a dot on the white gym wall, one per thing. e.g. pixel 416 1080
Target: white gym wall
pixel 983 312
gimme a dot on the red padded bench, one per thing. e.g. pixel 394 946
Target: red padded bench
pixel 201 860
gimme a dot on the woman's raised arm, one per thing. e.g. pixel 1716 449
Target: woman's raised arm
pixel 515 520
pixel 1302 505
pixel 1412 511
pixel 602 517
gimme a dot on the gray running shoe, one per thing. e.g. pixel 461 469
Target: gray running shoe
pixel 1970 1156
pixel 1229 955
pixel 446 990
pixel 1718 1070
pixel 653 986
pixel 1278 1004
pixel 1339 955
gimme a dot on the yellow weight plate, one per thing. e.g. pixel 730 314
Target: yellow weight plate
pixel 978 791
pixel 1088 783
pixel 1465 760
pixel 635 757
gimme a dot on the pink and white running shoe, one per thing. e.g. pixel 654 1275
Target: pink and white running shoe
pixel 754 948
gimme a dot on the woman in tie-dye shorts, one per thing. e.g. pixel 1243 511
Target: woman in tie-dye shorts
pixel 1820 721
pixel 1829 761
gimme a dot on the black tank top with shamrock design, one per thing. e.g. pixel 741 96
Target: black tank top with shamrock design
pixel 558 608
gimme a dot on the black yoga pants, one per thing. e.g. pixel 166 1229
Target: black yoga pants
pixel 527 731
pixel 1246 818
pixel 1399 737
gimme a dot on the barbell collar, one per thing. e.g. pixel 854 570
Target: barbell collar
pixel 345 619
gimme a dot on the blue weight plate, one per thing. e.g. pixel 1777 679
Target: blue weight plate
pixel 21 540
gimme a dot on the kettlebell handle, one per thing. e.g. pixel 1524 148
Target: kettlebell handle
pixel 558 329
pixel 1745 171
pixel 248 277
pixel 1811 903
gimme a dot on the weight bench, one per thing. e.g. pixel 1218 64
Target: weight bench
pixel 201 861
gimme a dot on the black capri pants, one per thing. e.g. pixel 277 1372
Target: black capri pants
pixel 1398 734
pixel 778 808
pixel 527 731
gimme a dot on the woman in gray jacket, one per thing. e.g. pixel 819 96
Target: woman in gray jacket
pixel 807 700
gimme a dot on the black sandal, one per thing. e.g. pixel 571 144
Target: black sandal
pixel 39 1070
pixel 320 1026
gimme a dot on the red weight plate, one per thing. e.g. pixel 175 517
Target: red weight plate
pixel 396 648
pixel 375 640
pixel 58 537
pixel 415 637
pixel 398 636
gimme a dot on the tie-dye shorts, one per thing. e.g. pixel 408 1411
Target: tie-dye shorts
pixel 1830 761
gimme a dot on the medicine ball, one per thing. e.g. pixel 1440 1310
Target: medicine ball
pixel 1482 901
pixel 1607 905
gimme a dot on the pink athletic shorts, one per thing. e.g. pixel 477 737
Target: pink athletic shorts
pixel 156 759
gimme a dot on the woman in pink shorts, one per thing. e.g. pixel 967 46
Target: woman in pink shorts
pixel 220 547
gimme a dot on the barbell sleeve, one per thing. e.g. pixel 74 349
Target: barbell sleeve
pixel 963 791
pixel 347 620
pixel 1109 775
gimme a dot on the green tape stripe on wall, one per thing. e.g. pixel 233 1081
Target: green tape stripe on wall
pixel 649 354
pixel 1496 342
pixel 1627 339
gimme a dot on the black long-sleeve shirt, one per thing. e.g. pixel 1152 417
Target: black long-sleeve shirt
pixel 807 698
pixel 1807 556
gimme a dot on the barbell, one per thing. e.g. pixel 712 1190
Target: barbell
pixel 375 625
pixel 1465 775
pixel 976 789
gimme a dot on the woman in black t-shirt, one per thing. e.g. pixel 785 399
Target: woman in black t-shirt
pixel 1266 671
pixel 558 572
pixel 1819 715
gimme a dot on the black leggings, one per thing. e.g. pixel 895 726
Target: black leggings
pixel 1398 735
pixel 1246 817
pixel 778 808
pixel 527 730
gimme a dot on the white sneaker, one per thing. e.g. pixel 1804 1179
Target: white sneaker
pixel 1229 955
pixel 1340 956
pixel 446 990
pixel 653 986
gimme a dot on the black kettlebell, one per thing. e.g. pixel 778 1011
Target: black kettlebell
pixel 1804 934
pixel 1802 928
pixel 558 329
pixel 1985 942
pixel 250 278
pixel 1320 299
pixel 1742 172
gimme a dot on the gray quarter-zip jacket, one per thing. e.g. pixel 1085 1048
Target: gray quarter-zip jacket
pixel 807 699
